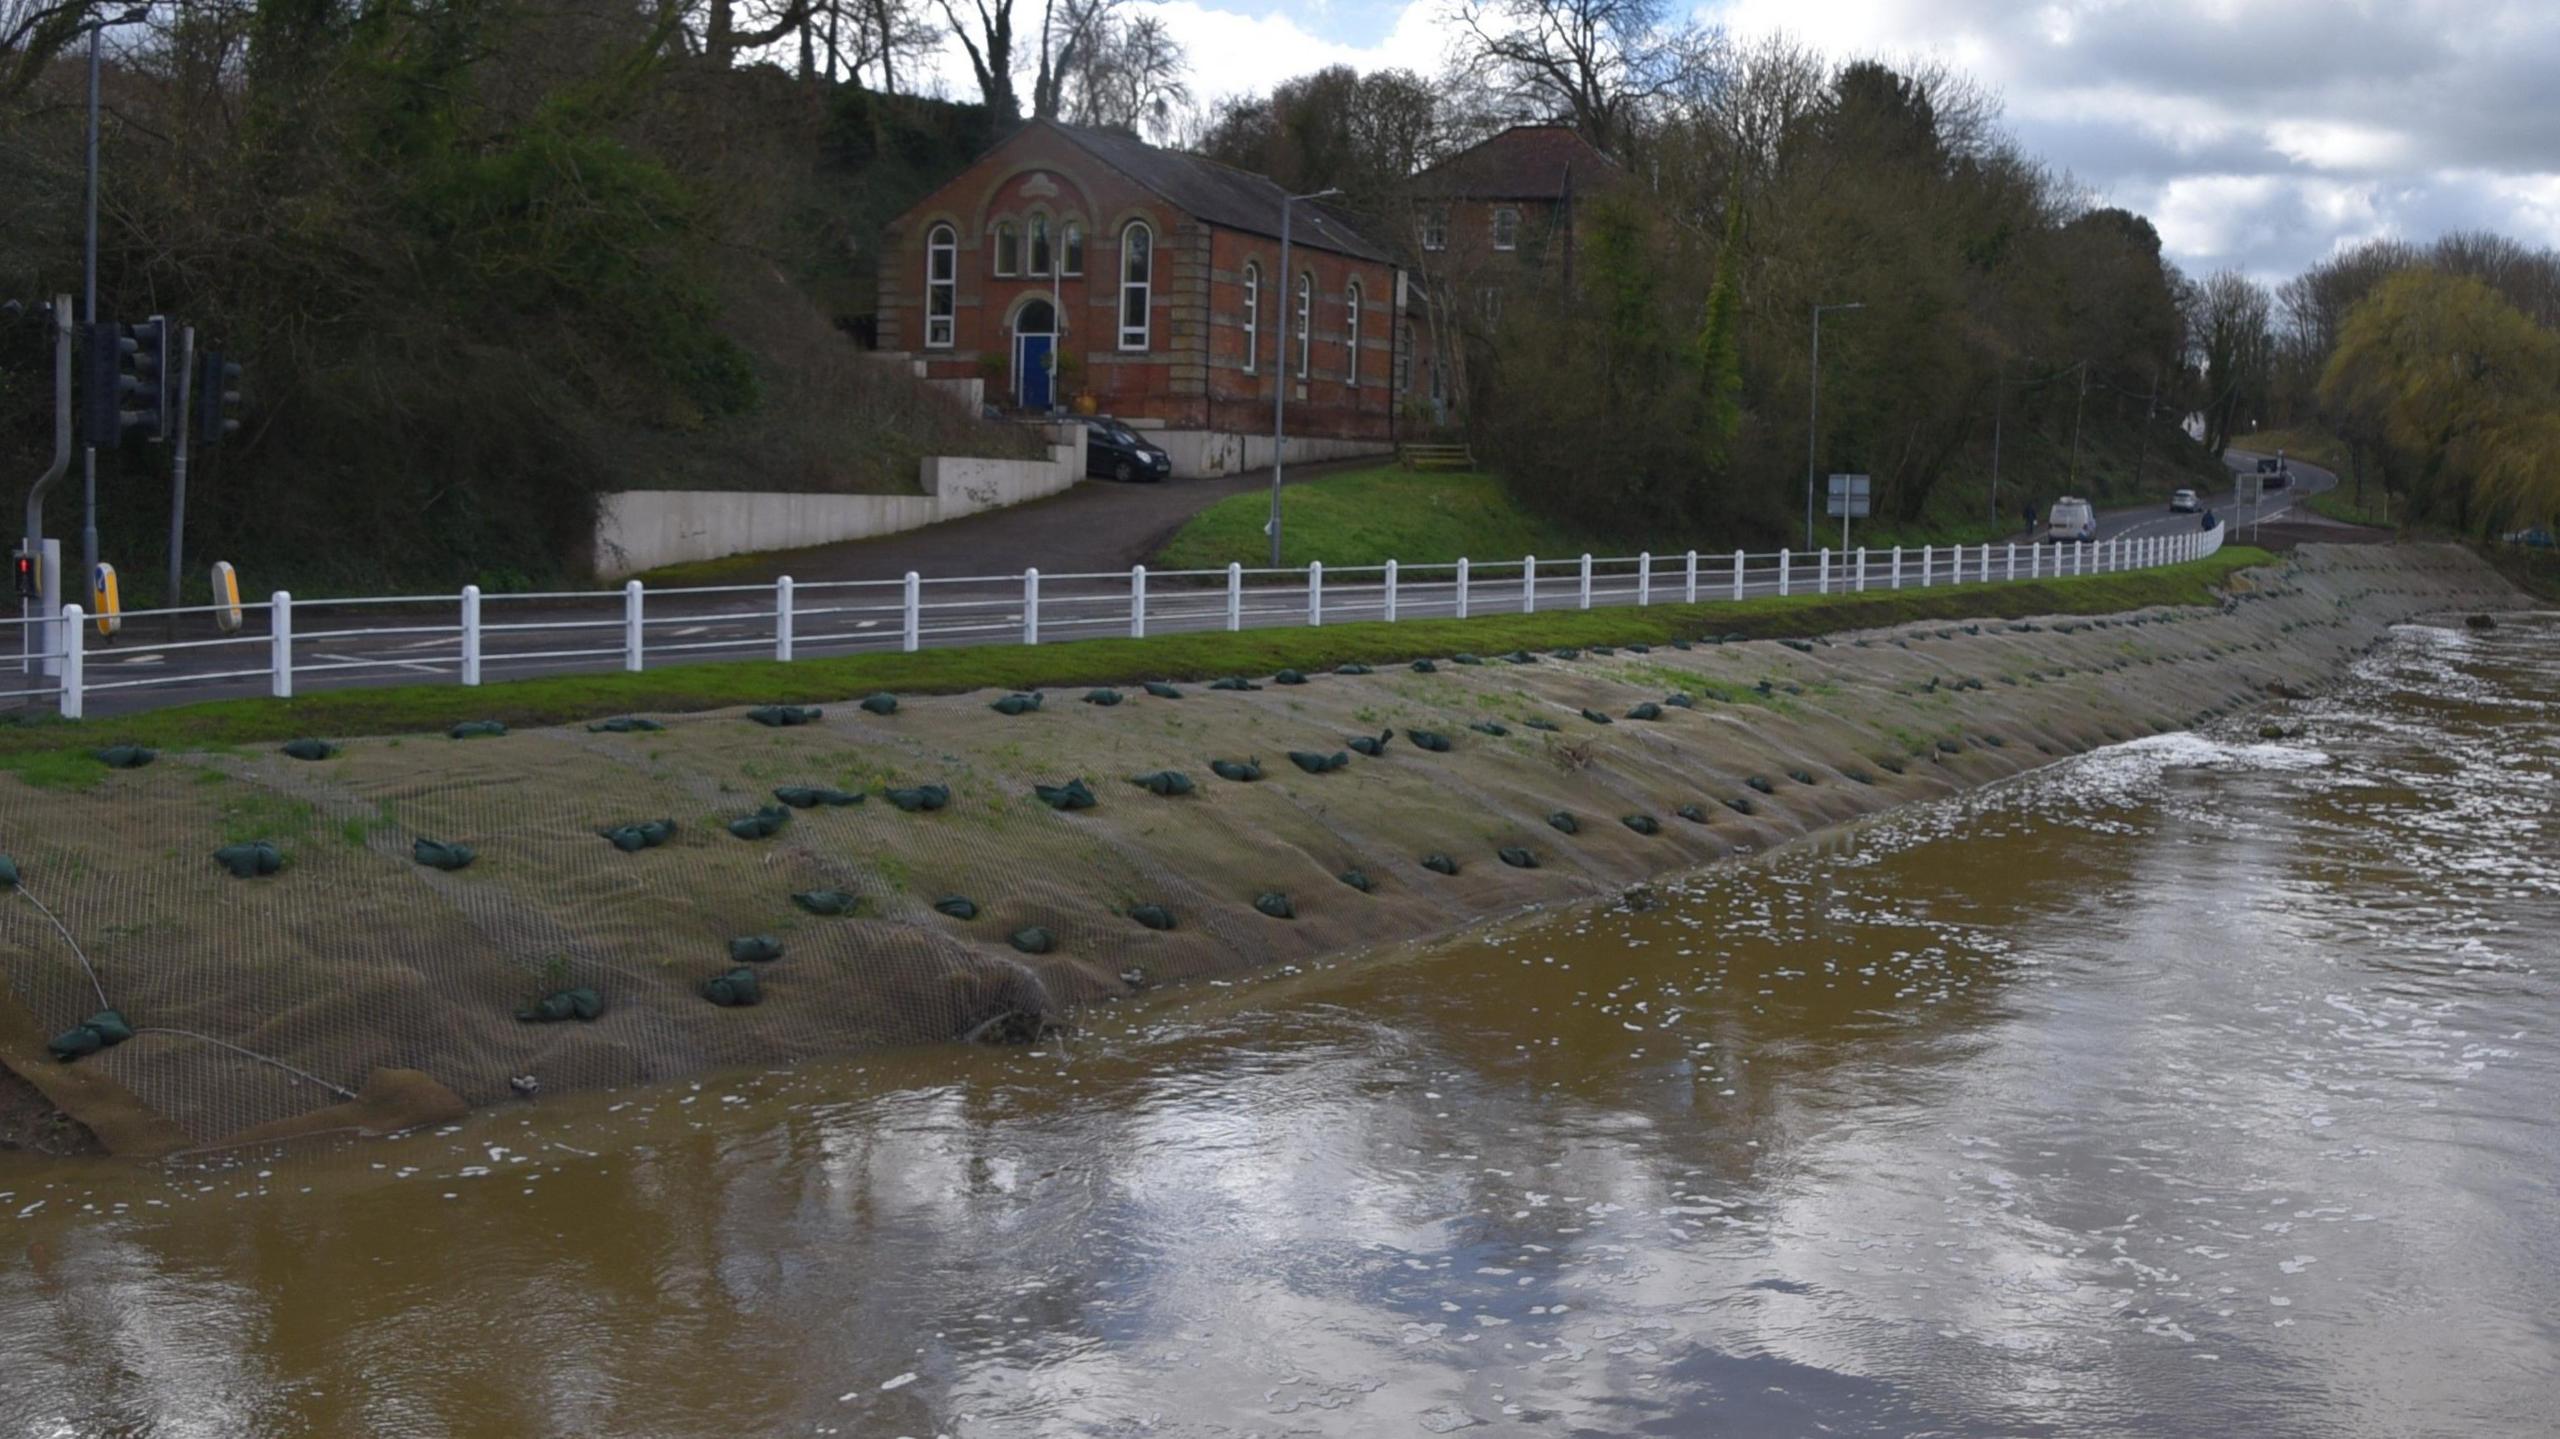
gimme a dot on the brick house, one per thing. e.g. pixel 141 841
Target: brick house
pixel 1155 276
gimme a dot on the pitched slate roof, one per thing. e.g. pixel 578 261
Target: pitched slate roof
pixel 1222 194
pixel 1525 162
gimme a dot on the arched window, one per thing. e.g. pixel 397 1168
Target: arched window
pixel 1351 335
pixel 1306 318
pixel 941 286
pixel 1252 315
pixel 1039 246
pixel 1506 229
pixel 1008 248
pixel 1137 283
pixel 1071 254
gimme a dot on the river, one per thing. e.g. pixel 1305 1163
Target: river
pixel 2204 1084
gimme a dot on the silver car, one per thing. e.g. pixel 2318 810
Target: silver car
pixel 2184 502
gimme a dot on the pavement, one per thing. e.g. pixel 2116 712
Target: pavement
pixel 850 599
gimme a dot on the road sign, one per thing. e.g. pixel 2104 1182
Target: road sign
pixel 1850 495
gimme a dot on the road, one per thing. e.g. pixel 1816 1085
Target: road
pixel 342 643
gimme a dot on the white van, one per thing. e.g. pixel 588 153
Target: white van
pixel 2072 522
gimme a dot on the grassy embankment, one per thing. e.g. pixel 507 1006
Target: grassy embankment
pixel 56 752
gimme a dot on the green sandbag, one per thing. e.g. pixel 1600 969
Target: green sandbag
pixel 1761 784
pixel 801 796
pixel 1319 763
pixel 1691 813
pixel 1162 690
pixel 250 859
pixel 1288 677
pixel 1517 857
pixel 1104 698
pixel 754 949
pixel 1164 782
pixel 880 704
pixel 1017 704
pixel 1372 746
pixel 1424 667
pixel 1603 651
pixel 830 902
pixel 1275 904
pixel 436 854
pixel 784 716
pixel 309 749
pixel 1466 659
pixel 1564 823
pixel 632 838
pixel 111 1026
pixel 8 872
pixel 1890 765
pixel 1351 669
pixel 765 823
pixel 959 907
pixel 1948 746
pixel 1767 689
pixel 1439 863
pixel 1521 657
pixel 1597 718
pixel 734 990
pixel 126 756
pixel 1734 638
pixel 1680 700
pixel 1642 823
pixel 1995 741
pixel 1801 646
pixel 1241 771
pixel 1431 740
pixel 1568 654
pixel 1538 724
pixel 562 1005
pixel 1153 916
pixel 1489 727
pixel 920 797
pixel 625 724
pixel 1071 795
pixel 1646 711
pixel 1740 804
pixel 1800 776
pixel 1233 682
pixel 1859 776
pixel 1359 880
pixel 1639 649
pixel 477 729
pixel 1682 645
pixel 78 1042
pixel 1793 689
pixel 1032 939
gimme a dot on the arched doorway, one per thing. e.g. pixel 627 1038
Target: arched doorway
pixel 1035 337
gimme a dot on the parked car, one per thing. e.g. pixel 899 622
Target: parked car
pixel 2071 522
pixel 1113 451
pixel 2184 502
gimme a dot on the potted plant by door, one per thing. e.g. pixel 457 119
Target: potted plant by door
pixel 1071 379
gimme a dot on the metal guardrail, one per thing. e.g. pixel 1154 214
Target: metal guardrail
pixel 307 642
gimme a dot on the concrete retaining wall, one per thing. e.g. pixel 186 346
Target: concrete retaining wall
pixel 1205 454
pixel 638 530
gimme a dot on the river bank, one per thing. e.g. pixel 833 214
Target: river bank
pixel 264 1005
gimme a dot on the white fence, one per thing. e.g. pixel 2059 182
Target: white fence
pixel 285 645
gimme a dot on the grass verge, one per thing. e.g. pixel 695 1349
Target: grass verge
pixel 1368 517
pixel 57 752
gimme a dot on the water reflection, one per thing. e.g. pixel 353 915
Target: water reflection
pixel 2200 1085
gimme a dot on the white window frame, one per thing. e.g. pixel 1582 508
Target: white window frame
pixel 1435 229
pixel 1351 344
pixel 1004 245
pixel 1071 248
pixel 1306 319
pixel 1252 315
pixel 1037 242
pixel 941 252
pixel 1506 228
pixel 1143 286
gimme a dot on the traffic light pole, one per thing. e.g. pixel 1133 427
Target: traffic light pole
pixel 178 469
pixel 89 276
pixel 53 472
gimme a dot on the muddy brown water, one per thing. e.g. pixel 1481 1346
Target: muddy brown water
pixel 2199 1085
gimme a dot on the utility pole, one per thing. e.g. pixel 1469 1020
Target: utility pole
pixel 2078 405
pixel 178 470
pixel 1813 415
pixel 89 273
pixel 1280 378
pixel 1999 395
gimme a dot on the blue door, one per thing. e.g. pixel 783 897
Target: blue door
pixel 1031 370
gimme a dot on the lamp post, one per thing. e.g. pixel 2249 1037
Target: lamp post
pixel 89 271
pixel 1280 365
pixel 1813 412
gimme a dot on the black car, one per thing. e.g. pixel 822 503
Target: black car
pixel 1113 451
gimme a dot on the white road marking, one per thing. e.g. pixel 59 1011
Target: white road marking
pixel 403 664
pixel 150 659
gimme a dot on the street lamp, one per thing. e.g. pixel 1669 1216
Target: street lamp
pixel 1813 411
pixel 1280 365
pixel 89 450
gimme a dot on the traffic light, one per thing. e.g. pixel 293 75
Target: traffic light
pixel 102 364
pixel 150 385
pixel 217 395
pixel 28 574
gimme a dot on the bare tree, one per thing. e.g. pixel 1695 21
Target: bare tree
pixel 990 48
pixel 1136 77
pixel 32 32
pixel 1070 32
pixel 1598 62
pixel 2228 328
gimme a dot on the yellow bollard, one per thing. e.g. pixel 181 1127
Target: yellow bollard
pixel 226 597
pixel 108 599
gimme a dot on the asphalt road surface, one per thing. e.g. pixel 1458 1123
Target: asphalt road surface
pixel 340 643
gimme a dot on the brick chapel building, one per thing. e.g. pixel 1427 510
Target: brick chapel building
pixel 1155 277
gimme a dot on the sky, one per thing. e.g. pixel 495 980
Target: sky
pixel 2258 135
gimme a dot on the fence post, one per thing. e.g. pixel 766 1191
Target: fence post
pixel 911 613
pixel 1738 563
pixel 2035 561
pixel 783 604
pixel 1315 592
pixel 1785 558
pixel 1897 568
pixel 1137 602
pixel 73 664
pixel 1389 600
pixel 1861 581
pixel 2013 559
pixel 1031 606
pixel 1644 578
pixel 1529 585
pixel 280 644
pixel 1462 586
pixel 1689 580
pixel 1235 595
pixel 1585 602
pixel 1826 570
pixel 631 625
pixel 1928 554
pixel 471 634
